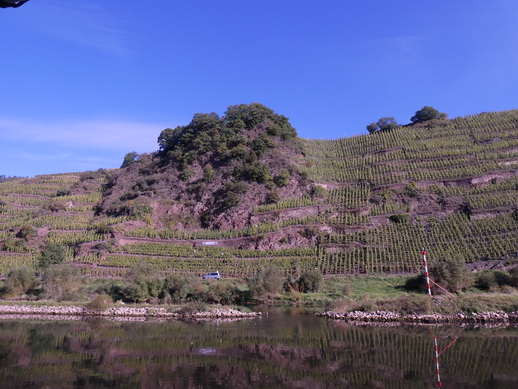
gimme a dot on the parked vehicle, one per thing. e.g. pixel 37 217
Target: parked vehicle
pixel 212 276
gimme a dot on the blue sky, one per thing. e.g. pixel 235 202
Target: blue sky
pixel 84 82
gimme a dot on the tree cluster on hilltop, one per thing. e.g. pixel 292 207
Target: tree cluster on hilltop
pixel 4 178
pixel 214 163
pixel 389 123
pixel 226 138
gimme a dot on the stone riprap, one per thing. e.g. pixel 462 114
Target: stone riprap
pixel 391 317
pixel 214 312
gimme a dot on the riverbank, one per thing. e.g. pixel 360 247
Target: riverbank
pixel 215 312
pixel 394 317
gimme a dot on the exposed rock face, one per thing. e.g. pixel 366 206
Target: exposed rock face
pixel 213 172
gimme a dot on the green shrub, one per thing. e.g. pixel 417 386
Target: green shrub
pixel 451 273
pixel 399 219
pixel 267 283
pixel 318 191
pixel 52 255
pixel 493 280
pixel 208 173
pixel 283 178
pixel 62 282
pixel 142 283
pixel 130 159
pixel 273 197
pixel 20 281
pixel 427 113
pixel 14 245
pixel 222 293
pixel 258 172
pixel 100 303
pixel 193 307
pixel 26 232
pixel 311 281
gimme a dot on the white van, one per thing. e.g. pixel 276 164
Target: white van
pixel 212 276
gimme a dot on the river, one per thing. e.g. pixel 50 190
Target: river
pixel 286 348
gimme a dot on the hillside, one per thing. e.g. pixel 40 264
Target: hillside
pixel 242 191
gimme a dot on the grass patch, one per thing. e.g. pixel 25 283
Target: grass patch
pixel 357 287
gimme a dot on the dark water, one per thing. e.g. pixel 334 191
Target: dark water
pixel 289 348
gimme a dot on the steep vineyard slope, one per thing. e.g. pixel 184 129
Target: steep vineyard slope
pixel 239 192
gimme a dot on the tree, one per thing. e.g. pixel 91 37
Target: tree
pixel 130 159
pixel 386 123
pixel 20 281
pixel 372 128
pixel 52 255
pixel 452 273
pixel 427 113
pixel 311 281
pixel 62 282
pixel 267 283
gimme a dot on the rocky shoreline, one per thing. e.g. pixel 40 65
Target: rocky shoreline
pixel 394 317
pixel 21 311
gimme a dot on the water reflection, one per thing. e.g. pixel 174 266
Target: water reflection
pixel 284 349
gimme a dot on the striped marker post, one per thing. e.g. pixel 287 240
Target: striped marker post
pixel 439 383
pixel 426 271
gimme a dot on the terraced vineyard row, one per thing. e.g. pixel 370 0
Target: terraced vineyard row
pixel 377 200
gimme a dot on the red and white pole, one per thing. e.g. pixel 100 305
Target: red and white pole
pixel 426 271
pixel 439 383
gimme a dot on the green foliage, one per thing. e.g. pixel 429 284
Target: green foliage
pixel 451 273
pixel 384 124
pixel 254 114
pixel 142 283
pixel 267 283
pixel 208 173
pixel 412 190
pixel 222 293
pixel 62 282
pixel 495 280
pixel 51 255
pixel 26 232
pixel 100 303
pixel 14 245
pixel 176 288
pixel 427 113
pixel 130 159
pixel 193 307
pixel 311 281
pixel 273 197
pixel 20 281
pixel 230 195
pixel 225 138
pixel 399 219
pixel 258 172
pixel 283 178
pixel 372 127
pixel 318 191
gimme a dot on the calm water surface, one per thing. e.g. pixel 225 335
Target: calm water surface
pixel 288 348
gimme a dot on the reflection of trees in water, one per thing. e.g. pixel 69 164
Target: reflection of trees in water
pixel 312 353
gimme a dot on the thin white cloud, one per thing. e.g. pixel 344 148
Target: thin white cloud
pixel 85 24
pixel 112 135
